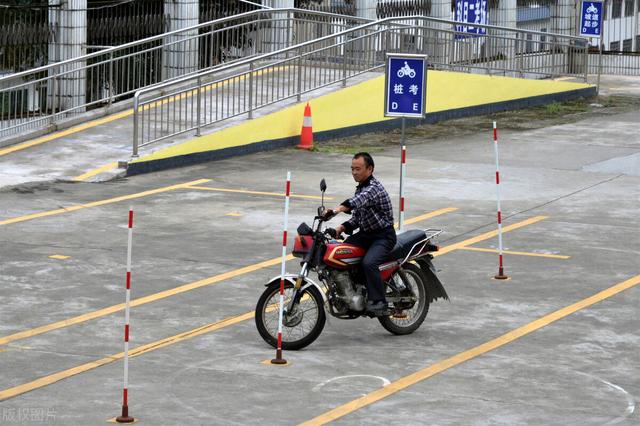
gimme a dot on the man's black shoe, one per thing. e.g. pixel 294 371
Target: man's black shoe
pixel 377 309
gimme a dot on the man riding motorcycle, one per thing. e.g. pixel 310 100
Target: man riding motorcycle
pixel 373 216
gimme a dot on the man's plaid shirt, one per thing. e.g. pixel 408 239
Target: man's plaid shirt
pixel 370 207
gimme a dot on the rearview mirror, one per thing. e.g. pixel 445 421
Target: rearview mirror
pixel 323 185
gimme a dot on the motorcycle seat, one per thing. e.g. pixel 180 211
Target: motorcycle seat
pixel 405 241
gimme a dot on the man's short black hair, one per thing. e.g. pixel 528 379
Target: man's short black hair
pixel 368 160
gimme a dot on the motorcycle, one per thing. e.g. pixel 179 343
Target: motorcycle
pixel 409 277
pixel 406 70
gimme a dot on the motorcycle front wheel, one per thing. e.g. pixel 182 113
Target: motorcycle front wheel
pixel 300 327
pixel 407 320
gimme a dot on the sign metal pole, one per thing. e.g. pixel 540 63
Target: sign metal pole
pixel 405 96
pixel 599 66
pixel 402 162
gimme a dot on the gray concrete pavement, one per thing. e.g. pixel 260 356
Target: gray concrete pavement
pixel 582 369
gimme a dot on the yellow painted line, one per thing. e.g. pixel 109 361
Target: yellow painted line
pixel 101 202
pixel 59 257
pixel 152 297
pixel 198 284
pixel 428 215
pixel 234 214
pixel 94 172
pixel 517 253
pixel 458 359
pixel 45 381
pixel 141 300
pixel 488 235
pixel 242 191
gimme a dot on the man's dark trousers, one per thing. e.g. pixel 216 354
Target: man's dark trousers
pixel 378 245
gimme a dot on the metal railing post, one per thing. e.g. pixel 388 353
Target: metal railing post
pixel 299 88
pixel 136 101
pixel 586 62
pixel 552 49
pixel 198 106
pixel 599 66
pixel 111 78
pixel 164 57
pixel 250 90
pixel 520 57
pixel 385 39
pixel 289 25
pixel 54 89
pixel 344 64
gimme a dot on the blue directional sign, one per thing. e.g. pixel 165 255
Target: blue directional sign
pixel 591 19
pixel 405 85
pixel 471 12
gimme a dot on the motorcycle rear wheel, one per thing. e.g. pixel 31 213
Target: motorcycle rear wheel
pixel 417 314
pixel 300 329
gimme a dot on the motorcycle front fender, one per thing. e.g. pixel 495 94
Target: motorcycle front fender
pixel 306 282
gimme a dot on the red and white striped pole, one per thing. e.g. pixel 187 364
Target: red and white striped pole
pixel 278 359
pixel 403 163
pixel 124 417
pixel 501 275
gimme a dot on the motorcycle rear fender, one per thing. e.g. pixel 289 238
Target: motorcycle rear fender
pixel 434 286
pixel 306 282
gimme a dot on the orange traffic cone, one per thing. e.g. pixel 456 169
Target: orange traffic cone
pixel 306 136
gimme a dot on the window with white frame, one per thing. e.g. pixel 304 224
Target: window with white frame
pixel 616 10
pixel 628 8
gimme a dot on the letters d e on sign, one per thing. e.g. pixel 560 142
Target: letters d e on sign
pixel 405 85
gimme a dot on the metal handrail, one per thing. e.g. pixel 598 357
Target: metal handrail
pixel 345 32
pixel 38 98
pixel 293 56
pixel 147 40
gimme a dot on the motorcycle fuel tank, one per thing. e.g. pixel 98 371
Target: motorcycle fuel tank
pixel 343 256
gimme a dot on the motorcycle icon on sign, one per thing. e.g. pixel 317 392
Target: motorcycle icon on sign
pixel 406 71
pixel 590 9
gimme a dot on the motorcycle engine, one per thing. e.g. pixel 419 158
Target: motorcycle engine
pixel 350 296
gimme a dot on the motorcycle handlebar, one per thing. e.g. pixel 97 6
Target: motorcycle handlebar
pixel 332 233
pixel 327 215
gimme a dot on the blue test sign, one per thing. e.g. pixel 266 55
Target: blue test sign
pixel 471 13
pixel 405 85
pixel 591 19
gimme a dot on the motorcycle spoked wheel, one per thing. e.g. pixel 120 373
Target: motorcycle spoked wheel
pixel 409 320
pixel 299 328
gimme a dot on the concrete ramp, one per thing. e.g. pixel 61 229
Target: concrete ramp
pixel 359 109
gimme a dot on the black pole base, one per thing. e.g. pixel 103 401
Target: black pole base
pixel 125 417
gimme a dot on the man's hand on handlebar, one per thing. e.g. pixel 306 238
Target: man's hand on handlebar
pixel 335 232
pixel 329 214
